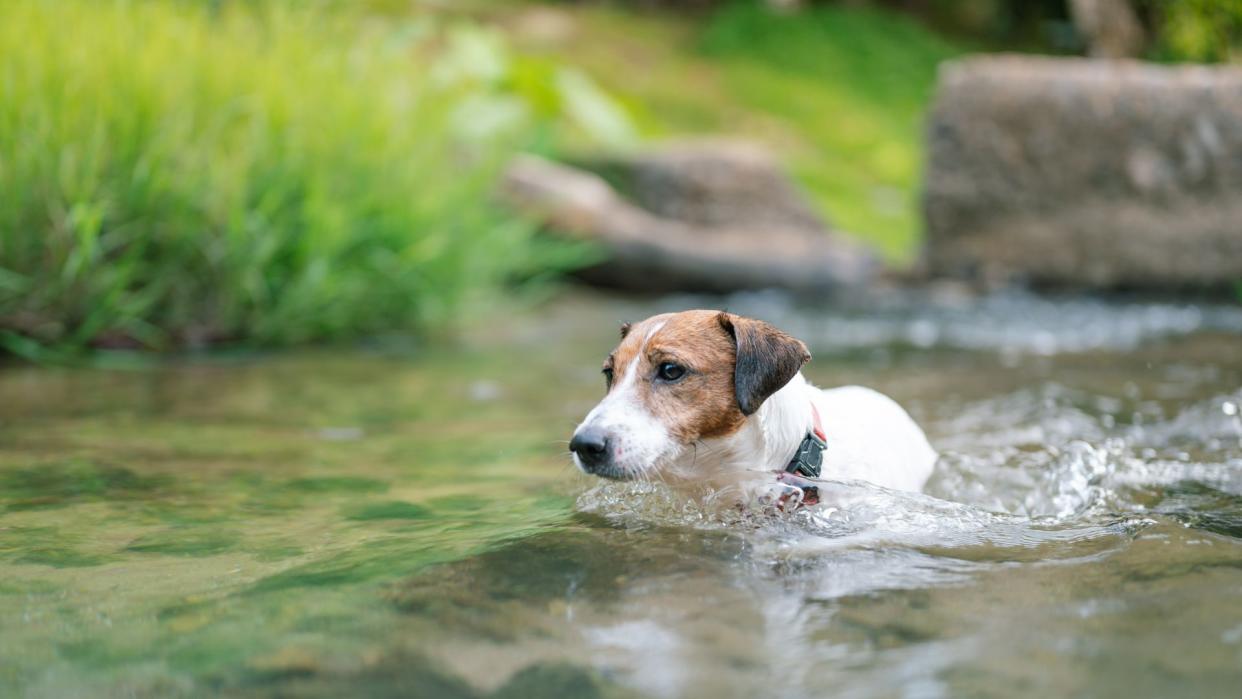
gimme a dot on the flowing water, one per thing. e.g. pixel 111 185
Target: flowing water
pixel 405 522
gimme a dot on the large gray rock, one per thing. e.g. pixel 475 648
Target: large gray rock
pixel 1083 173
pixel 697 218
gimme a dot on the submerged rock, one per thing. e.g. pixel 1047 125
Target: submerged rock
pixel 698 217
pixel 555 680
pixel 1083 173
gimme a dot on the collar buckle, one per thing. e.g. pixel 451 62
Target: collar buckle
pixel 809 458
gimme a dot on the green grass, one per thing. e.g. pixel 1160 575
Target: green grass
pixel 1199 30
pixel 266 173
pixel 269 173
pixel 839 92
pixel 852 85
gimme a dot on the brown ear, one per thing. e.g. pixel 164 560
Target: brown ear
pixel 766 359
pixel 625 330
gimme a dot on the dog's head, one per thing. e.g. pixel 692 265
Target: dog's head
pixel 677 379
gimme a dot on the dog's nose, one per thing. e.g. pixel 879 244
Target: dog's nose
pixel 591 446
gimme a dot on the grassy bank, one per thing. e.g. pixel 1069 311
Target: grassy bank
pixel 838 91
pixel 175 175
pixel 189 173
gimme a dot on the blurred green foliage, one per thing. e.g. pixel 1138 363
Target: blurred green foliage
pixel 1199 30
pixel 180 173
pixel 187 172
pixel 1177 30
pixel 838 92
pixel 852 83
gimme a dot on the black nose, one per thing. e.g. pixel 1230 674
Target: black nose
pixel 591 446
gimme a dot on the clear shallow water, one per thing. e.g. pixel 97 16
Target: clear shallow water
pixel 408 525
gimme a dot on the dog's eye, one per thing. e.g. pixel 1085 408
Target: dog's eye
pixel 608 376
pixel 669 371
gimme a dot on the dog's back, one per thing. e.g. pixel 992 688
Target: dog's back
pixel 871 438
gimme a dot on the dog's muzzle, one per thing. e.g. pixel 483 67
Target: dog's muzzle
pixel 590 445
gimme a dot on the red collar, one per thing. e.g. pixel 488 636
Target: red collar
pixel 806 463
pixel 818 426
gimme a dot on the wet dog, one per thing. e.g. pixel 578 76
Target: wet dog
pixel 711 400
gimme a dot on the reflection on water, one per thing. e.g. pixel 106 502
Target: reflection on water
pixel 363 524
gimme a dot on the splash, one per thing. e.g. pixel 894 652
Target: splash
pixel 1038 475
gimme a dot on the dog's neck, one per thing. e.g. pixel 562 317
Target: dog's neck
pixel 783 422
pixel 766 442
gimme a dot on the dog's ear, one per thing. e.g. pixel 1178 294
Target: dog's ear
pixel 766 359
pixel 625 329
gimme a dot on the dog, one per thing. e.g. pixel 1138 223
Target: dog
pixel 710 401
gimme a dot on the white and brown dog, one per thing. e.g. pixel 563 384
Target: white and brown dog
pixel 705 399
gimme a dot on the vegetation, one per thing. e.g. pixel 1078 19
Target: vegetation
pixel 839 88
pixel 853 86
pixel 173 174
pixel 273 172
pixel 839 91
pixel 1199 30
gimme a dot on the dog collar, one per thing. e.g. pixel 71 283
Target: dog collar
pixel 809 459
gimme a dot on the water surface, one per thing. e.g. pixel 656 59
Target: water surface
pixel 406 523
